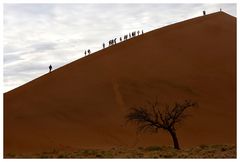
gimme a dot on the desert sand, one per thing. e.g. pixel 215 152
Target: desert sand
pixel 83 104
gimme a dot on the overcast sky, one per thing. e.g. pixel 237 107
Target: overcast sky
pixel 37 35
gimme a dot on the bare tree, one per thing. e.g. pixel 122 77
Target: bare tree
pixel 153 117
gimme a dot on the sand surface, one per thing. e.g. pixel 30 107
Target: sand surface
pixel 83 104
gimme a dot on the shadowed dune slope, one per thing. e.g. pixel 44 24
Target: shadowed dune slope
pixel 83 104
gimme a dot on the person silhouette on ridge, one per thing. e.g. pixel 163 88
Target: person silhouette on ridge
pixel 50 68
pixel 204 13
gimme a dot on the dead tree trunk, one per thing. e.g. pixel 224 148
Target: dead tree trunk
pixel 174 138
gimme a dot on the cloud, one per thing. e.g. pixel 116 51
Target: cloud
pixel 43 46
pixel 36 35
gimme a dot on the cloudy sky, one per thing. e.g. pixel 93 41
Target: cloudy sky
pixel 37 35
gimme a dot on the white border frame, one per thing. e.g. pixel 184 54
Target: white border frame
pixel 111 1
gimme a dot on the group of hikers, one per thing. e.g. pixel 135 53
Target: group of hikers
pixel 114 41
pixel 130 35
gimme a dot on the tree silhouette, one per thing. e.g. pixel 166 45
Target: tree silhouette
pixel 153 117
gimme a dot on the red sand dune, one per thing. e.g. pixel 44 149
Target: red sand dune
pixel 83 104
